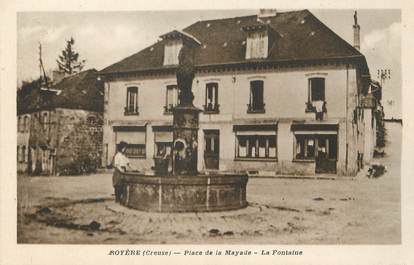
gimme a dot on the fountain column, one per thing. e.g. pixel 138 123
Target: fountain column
pixel 185 118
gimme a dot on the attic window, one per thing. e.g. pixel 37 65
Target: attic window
pixel 257 44
pixel 171 51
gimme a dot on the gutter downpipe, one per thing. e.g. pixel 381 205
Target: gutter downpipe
pixel 346 117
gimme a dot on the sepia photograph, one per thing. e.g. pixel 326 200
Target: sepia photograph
pixel 238 126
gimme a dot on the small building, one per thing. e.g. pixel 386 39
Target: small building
pixel 60 126
pixel 280 92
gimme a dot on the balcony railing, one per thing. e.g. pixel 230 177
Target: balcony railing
pixel 256 108
pixel 310 107
pixel 131 110
pixel 168 109
pixel 319 114
pixel 211 108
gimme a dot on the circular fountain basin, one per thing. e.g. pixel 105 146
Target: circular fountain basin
pixel 199 193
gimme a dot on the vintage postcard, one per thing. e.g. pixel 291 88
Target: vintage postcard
pixel 257 134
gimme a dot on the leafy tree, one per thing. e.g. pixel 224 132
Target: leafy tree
pixel 68 61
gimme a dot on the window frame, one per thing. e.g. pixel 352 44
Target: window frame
pixel 23 154
pixel 251 107
pixel 306 138
pixel 44 120
pixel 171 52
pixel 18 153
pixel 316 139
pixel 309 104
pixel 19 124
pixel 140 146
pixel 256 138
pixel 162 129
pixel 26 123
pixel 215 109
pixel 167 109
pixel 257 44
pixel 130 92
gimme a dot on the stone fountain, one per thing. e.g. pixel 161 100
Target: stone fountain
pixel 184 189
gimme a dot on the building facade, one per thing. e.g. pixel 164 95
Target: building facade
pixel 278 93
pixel 60 128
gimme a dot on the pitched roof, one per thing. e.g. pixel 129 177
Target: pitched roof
pixel 299 36
pixel 78 91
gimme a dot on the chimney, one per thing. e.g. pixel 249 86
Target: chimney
pixel 356 32
pixel 264 13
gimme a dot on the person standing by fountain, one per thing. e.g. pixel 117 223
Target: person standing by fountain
pixel 121 164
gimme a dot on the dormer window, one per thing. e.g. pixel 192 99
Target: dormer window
pixel 171 50
pixel 174 41
pixel 257 41
pixel 257 45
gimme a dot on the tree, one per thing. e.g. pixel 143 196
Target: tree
pixel 68 61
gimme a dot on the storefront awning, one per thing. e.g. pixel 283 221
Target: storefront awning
pixel 255 125
pixel 310 127
pixel 137 127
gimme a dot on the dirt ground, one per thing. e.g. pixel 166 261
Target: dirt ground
pixel 361 210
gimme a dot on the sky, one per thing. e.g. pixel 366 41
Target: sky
pixel 103 38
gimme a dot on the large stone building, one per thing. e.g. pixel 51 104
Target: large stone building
pixel 60 127
pixel 279 93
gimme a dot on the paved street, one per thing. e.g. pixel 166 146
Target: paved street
pixel 281 211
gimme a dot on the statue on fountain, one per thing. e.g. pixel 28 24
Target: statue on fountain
pixel 185 76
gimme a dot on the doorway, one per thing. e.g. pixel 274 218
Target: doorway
pixel 326 154
pixel 212 149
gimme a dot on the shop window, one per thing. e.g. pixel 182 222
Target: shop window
pixel 171 99
pixel 135 138
pixel 135 150
pixel 163 139
pixel 305 147
pixel 131 107
pixel 256 103
pixel 256 146
pixel 211 103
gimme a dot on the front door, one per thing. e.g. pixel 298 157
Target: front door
pixel 326 154
pixel 211 149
